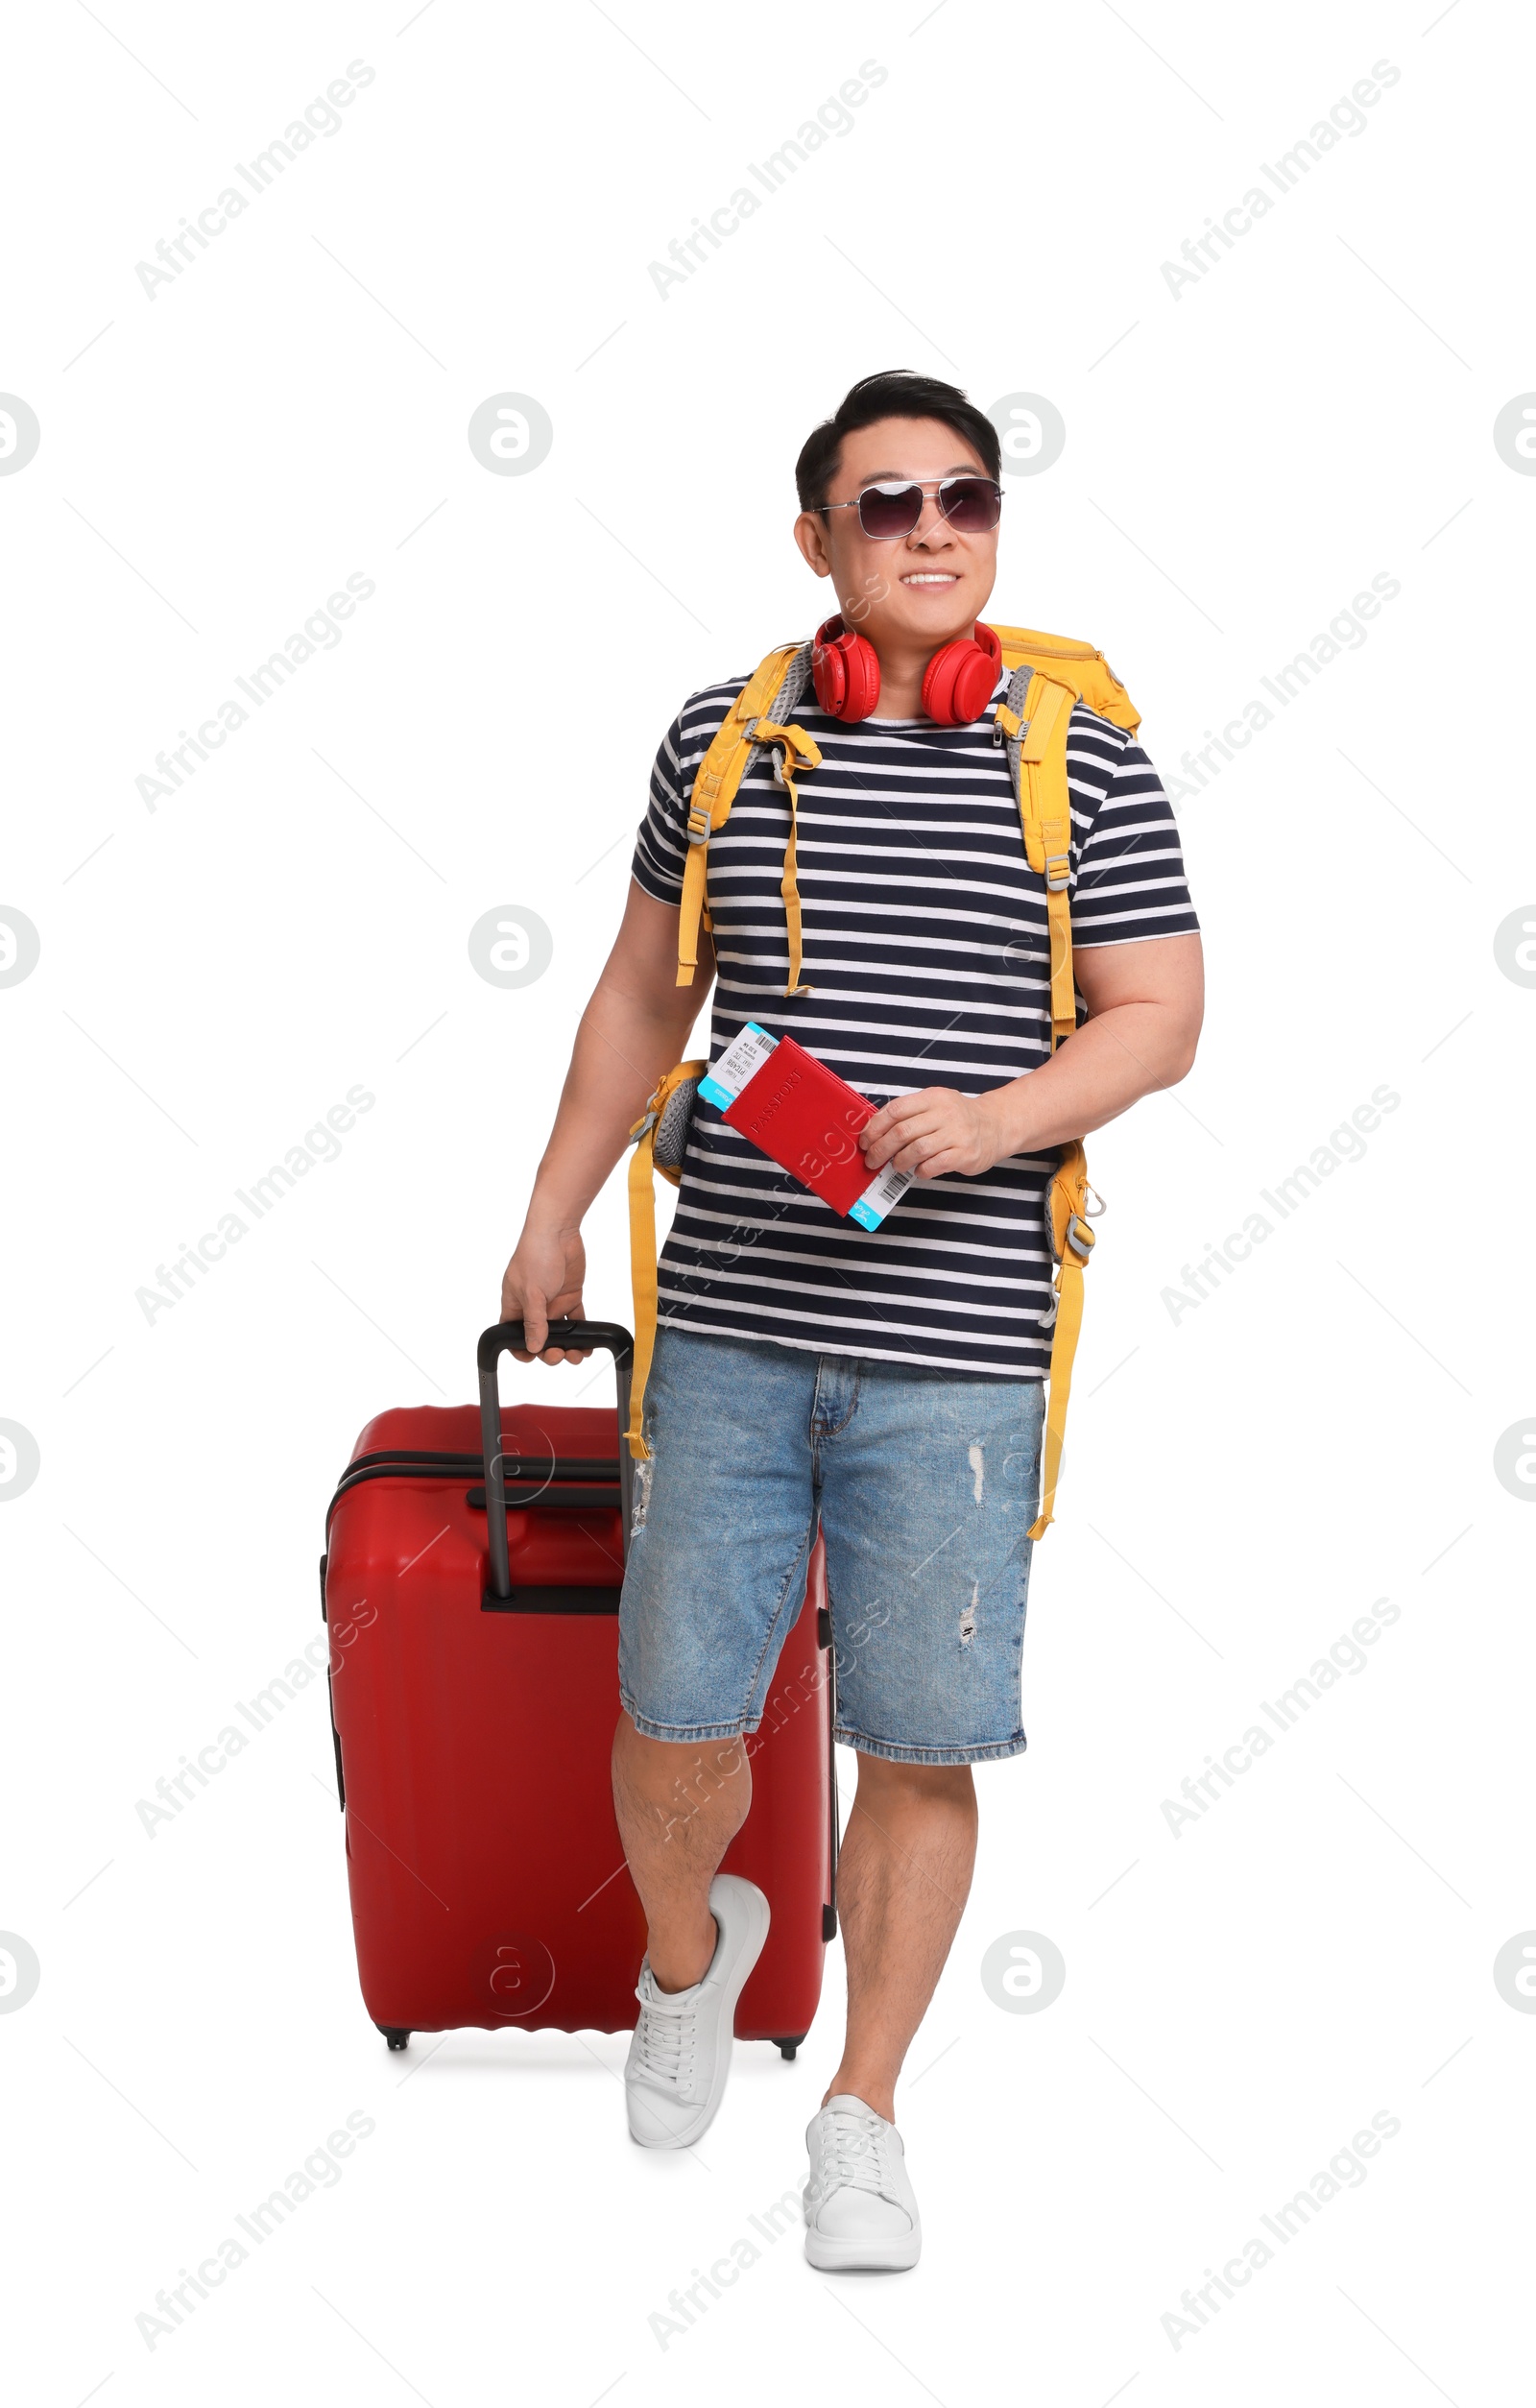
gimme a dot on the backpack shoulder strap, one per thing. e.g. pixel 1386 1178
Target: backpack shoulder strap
pixel 1037 747
pixel 1051 674
pixel 656 1122
pixel 1071 1242
pixel 714 789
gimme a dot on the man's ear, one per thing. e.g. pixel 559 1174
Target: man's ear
pixel 810 534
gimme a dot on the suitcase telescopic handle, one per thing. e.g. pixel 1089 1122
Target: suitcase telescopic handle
pixel 507 1337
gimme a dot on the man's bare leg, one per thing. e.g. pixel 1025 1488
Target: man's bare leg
pixel 908 1855
pixel 678 1809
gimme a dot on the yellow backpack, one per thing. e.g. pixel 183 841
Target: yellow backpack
pixel 1049 674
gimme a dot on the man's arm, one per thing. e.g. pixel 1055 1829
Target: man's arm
pixel 1145 1005
pixel 633 1029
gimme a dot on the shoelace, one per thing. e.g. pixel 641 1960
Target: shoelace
pixel 665 2037
pixel 853 2153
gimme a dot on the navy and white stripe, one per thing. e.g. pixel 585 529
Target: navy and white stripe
pixel 925 947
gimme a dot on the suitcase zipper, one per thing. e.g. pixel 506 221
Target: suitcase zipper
pixel 559 1466
pixel 542 1472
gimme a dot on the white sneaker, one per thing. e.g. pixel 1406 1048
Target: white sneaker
pixel 680 2057
pixel 861 2214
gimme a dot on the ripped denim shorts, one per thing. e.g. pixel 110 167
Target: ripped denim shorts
pixel 924 1486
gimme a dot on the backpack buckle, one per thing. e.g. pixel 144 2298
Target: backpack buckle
pixel 774 746
pixel 698 823
pixel 1079 1235
pixel 1058 871
pixel 769 744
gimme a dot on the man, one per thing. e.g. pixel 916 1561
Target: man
pixel 887 1384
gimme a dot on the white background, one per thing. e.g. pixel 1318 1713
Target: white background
pixel 1242 1482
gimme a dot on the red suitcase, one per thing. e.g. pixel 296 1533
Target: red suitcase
pixel 475 1689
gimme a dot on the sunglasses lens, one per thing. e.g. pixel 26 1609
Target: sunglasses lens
pixel 885 511
pixel 971 504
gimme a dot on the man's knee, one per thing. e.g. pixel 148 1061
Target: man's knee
pixel 914 1784
pixel 679 1780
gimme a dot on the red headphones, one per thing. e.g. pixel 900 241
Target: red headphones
pixel 957 684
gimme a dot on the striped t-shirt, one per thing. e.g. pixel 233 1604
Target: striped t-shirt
pixel 925 934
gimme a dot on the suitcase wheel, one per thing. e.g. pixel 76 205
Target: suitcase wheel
pixel 786 2048
pixel 397 2039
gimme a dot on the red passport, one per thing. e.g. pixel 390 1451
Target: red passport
pixel 807 1120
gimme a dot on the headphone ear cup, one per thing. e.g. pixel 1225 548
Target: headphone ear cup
pixel 846 672
pixel 942 678
pixel 863 677
pixel 829 672
pixel 975 680
pixel 958 681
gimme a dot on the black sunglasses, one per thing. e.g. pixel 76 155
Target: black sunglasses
pixel 971 505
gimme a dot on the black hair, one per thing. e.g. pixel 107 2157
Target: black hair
pixel 894 393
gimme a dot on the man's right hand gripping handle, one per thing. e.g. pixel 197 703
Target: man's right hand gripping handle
pixel 542 1283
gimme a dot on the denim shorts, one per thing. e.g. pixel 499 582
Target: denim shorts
pixel 924 1486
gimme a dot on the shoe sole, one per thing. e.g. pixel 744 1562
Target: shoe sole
pixel 832 2256
pixel 761 1916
